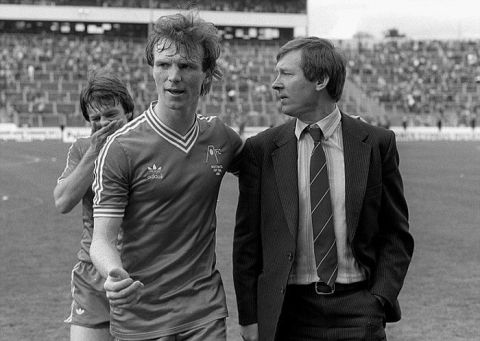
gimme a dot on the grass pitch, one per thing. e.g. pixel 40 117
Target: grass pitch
pixel 440 298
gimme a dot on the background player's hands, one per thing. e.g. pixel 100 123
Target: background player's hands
pixel 100 134
pixel 249 332
pixel 121 289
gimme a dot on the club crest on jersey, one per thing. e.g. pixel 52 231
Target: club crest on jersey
pixel 212 159
pixel 154 172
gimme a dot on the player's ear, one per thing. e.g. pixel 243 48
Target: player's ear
pixel 129 116
pixel 322 84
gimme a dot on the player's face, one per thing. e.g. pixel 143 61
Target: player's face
pixel 101 116
pixel 298 96
pixel 178 79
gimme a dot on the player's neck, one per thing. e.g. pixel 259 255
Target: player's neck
pixel 179 120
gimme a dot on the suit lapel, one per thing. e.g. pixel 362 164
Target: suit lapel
pixel 357 163
pixel 285 166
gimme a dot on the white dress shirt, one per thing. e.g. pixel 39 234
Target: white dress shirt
pixel 304 267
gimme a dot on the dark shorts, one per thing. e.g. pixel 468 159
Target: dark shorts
pixel 90 307
pixel 211 331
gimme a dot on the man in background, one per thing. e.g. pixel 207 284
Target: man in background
pixel 105 103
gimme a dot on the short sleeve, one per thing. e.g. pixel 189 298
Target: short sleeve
pixel 111 184
pixel 74 156
pixel 236 143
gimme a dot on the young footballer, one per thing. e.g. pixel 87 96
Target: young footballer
pixel 107 105
pixel 157 179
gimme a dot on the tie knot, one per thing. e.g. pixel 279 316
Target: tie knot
pixel 316 133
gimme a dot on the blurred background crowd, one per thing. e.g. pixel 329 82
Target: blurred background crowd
pixel 391 81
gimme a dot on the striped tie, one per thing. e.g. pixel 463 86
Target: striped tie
pixel 322 217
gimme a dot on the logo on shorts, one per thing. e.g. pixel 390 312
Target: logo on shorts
pixel 79 311
pixel 154 172
pixel 212 158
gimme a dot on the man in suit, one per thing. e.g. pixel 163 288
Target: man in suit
pixel 321 244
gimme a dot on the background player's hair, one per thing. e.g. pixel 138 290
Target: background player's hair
pixel 103 89
pixel 320 58
pixel 187 32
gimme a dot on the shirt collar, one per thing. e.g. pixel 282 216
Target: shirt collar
pixel 328 124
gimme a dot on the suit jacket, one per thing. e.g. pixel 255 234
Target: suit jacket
pixel 267 218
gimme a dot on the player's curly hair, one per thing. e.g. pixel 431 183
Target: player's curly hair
pixel 104 89
pixel 187 32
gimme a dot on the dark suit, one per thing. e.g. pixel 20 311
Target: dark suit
pixel 267 219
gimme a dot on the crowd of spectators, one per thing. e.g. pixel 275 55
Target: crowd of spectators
pixel 33 66
pixel 426 81
pixel 429 79
pixel 43 73
pixel 275 6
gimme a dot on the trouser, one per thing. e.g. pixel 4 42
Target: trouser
pixel 351 313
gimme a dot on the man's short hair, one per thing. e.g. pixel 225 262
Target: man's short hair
pixel 187 32
pixel 103 89
pixel 319 59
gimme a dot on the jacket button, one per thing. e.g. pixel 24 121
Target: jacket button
pixel 290 256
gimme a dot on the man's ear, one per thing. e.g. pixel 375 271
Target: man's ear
pixel 322 84
pixel 129 116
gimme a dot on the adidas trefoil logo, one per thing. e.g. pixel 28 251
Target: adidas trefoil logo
pixel 79 311
pixel 154 172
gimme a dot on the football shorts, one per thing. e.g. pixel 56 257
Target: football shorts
pixel 90 307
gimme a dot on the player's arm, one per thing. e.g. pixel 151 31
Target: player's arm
pixel 70 190
pixel 247 257
pixel 237 145
pixel 120 287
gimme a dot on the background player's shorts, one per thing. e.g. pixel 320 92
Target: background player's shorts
pixel 90 307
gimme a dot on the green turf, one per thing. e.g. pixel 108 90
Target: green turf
pixel 440 299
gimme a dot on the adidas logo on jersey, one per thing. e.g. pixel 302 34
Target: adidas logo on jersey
pixel 154 172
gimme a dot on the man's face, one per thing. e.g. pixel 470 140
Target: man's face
pixel 298 96
pixel 178 79
pixel 102 115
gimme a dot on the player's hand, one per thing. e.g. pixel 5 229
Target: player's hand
pixel 99 136
pixel 121 289
pixel 358 118
pixel 249 332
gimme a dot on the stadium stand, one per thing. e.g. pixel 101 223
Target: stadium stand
pixel 273 6
pixel 61 65
pixel 390 82
pixel 426 80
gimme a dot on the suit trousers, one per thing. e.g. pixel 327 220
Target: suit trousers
pixel 351 313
